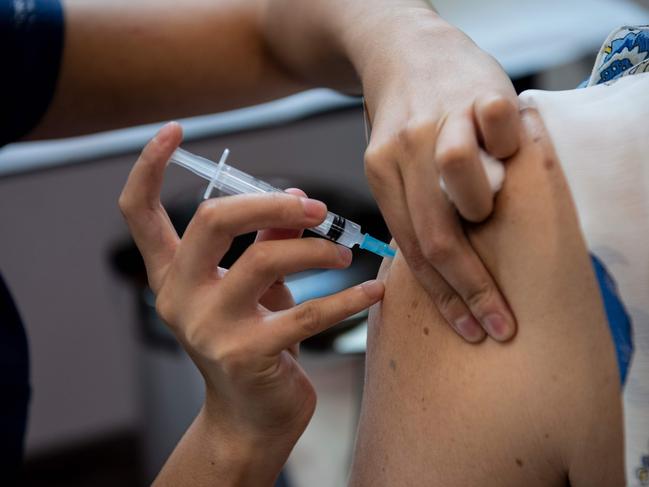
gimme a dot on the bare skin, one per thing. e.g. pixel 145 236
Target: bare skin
pixel 126 63
pixel 240 326
pixel 543 410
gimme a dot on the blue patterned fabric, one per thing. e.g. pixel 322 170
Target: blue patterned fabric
pixel 624 53
pixel 619 321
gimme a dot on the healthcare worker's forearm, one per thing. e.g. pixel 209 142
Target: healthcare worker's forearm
pixel 335 42
pixel 208 455
pixel 126 63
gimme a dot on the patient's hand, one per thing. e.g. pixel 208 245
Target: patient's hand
pixel 240 326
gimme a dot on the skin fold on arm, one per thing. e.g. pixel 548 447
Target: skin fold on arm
pixel 541 410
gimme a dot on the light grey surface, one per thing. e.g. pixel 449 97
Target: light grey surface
pixel 529 36
pixel 57 228
pixel 30 156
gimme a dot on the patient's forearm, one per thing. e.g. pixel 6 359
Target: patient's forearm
pixel 536 411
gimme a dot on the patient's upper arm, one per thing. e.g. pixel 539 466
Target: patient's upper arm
pixel 536 411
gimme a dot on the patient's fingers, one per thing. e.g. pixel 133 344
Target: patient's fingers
pixel 499 123
pixel 219 220
pixel 312 317
pixel 263 263
pixel 457 156
pixel 148 222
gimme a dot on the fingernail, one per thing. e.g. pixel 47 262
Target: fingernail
pixel 469 328
pixel 345 254
pixel 296 192
pixel 313 208
pixel 163 130
pixel 374 289
pixel 498 327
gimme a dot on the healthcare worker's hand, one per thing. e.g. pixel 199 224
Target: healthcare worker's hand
pixel 240 326
pixel 434 99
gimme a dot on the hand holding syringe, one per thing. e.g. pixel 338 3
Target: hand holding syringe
pixel 231 181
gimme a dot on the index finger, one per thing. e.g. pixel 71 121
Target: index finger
pixel 447 249
pixel 140 204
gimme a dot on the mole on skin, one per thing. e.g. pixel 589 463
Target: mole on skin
pixel 426 330
pixel 549 163
pixel 519 462
pixel 393 364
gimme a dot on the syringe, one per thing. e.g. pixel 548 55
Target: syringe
pixel 229 180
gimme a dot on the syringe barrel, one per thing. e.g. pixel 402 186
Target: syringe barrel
pixel 334 227
pixel 340 230
pixel 232 181
pixel 229 180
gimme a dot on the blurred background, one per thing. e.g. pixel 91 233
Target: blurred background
pixel 112 391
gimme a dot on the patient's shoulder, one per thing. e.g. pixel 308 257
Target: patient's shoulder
pixel 530 412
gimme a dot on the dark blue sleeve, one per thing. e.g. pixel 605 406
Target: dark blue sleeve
pixel 14 388
pixel 31 44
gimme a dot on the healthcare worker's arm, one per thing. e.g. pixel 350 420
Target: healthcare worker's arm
pixel 544 410
pixel 434 99
pixel 240 326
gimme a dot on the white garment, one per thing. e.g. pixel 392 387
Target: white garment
pixel 601 136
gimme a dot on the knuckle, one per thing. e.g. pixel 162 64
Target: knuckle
pixel 206 214
pixel 447 302
pixel 439 248
pixel 290 207
pixel 211 216
pixel 479 296
pixel 377 157
pixel 410 137
pixel 126 204
pixel 200 338
pixel 286 207
pixel 455 157
pixel 325 249
pixel 165 309
pixel 259 257
pixel 309 318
